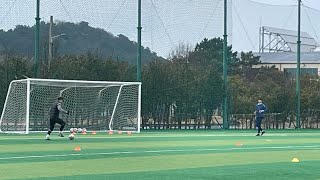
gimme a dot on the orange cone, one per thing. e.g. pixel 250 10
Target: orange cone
pixel 84 132
pixel 93 132
pixel 77 148
pixel 74 133
pixel 110 132
pixel 129 133
pixel 119 132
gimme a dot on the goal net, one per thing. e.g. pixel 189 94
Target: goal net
pixel 94 105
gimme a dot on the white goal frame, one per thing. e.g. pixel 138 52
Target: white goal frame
pixel 95 84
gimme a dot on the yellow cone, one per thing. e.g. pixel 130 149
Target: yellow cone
pixel 295 160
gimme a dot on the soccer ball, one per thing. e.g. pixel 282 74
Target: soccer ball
pixel 72 130
pixel 71 136
pixel 79 130
pixel 84 130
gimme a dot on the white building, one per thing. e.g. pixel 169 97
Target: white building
pixel 287 61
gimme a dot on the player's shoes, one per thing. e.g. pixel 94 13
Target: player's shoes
pixel 262 132
pixel 48 138
pixel 61 135
pixel 258 134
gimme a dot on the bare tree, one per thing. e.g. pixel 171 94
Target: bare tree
pixel 181 51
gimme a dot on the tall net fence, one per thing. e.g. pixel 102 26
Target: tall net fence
pixel 165 24
pixel 183 93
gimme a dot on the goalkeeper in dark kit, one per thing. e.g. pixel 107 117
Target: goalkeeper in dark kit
pixel 54 117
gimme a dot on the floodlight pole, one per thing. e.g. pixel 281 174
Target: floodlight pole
pixel 225 68
pixel 298 69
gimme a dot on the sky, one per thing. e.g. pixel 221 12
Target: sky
pixel 310 3
pixel 167 23
pixel 279 14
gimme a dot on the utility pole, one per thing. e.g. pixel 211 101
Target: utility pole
pixel 51 38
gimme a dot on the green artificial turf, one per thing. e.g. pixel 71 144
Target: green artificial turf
pixel 163 155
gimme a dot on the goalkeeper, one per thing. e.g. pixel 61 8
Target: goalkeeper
pixel 54 117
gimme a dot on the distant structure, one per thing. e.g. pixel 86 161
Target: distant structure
pixel 287 62
pixel 282 40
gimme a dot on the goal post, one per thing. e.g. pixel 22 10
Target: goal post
pixel 94 105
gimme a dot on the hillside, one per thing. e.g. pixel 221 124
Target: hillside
pixel 80 38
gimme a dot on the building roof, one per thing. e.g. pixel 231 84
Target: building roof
pixel 288 57
pixel 308 43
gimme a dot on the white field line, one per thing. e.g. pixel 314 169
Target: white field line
pixel 314 147
pixel 105 136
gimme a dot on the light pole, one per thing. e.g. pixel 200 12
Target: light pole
pixel 51 46
pixel 51 38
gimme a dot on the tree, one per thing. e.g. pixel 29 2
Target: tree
pixel 209 53
pixel 90 67
pixel 182 51
pixel 243 65
pixel 11 68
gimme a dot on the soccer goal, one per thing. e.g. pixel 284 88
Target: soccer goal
pixel 94 105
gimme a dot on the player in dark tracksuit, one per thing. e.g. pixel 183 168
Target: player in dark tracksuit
pixel 260 110
pixel 54 117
